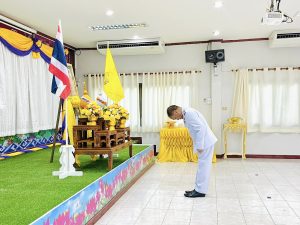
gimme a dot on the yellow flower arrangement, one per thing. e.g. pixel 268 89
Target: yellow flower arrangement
pixel 114 113
pixel 92 110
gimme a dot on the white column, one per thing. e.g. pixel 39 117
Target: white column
pixel 216 95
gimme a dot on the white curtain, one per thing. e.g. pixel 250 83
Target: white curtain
pixel 274 101
pixel 157 91
pixel 131 101
pixel 26 102
pixel 240 98
pixel 161 90
pixel 94 85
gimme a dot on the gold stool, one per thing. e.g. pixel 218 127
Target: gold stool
pixel 235 124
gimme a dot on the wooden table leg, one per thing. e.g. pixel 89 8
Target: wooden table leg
pixel 84 136
pixel 107 140
pixel 110 161
pixel 130 150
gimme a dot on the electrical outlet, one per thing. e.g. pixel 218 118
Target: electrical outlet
pixel 207 101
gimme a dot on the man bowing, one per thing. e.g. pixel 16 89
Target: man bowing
pixel 203 143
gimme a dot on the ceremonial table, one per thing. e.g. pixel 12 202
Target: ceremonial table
pixel 176 145
pixel 100 141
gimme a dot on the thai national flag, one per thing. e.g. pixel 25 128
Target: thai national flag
pixel 58 66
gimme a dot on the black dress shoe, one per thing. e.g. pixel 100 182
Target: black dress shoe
pixel 187 192
pixel 194 194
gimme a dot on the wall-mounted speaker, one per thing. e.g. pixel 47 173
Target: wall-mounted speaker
pixel 215 56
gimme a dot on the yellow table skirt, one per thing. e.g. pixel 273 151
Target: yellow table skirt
pixel 176 145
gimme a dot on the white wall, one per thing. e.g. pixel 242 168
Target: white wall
pixel 257 55
pixel 186 57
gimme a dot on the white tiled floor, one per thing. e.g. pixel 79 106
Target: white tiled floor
pixel 251 191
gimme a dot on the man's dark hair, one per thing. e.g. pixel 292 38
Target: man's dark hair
pixel 171 109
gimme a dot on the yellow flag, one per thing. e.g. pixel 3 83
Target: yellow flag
pixel 71 121
pixel 112 84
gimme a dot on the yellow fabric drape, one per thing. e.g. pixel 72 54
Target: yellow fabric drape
pixel 46 49
pixel 23 43
pixel 176 145
pixel 15 39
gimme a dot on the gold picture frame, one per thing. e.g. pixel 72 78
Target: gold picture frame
pixel 74 86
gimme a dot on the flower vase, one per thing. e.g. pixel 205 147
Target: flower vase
pixel 122 123
pixel 82 115
pixel 112 125
pixel 93 119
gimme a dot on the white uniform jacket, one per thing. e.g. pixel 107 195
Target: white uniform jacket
pixel 201 134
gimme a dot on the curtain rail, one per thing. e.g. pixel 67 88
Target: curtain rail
pixel 148 73
pixel 269 69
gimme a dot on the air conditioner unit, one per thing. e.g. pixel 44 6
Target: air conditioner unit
pixel 285 38
pixel 132 47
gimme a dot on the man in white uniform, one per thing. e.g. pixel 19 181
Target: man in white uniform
pixel 203 143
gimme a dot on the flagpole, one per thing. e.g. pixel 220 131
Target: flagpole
pixel 107 47
pixel 66 115
pixel 58 67
pixel 60 108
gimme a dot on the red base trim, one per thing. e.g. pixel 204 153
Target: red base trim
pixel 255 156
pixel 273 156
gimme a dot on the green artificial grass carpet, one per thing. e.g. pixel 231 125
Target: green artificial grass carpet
pixel 28 190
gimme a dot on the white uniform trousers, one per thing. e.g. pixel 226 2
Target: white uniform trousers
pixel 204 168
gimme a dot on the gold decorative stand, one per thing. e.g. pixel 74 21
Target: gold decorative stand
pixel 235 126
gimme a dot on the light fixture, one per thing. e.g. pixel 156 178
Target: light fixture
pixel 109 12
pixel 218 4
pixel 117 26
pixel 216 33
pixel 136 37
